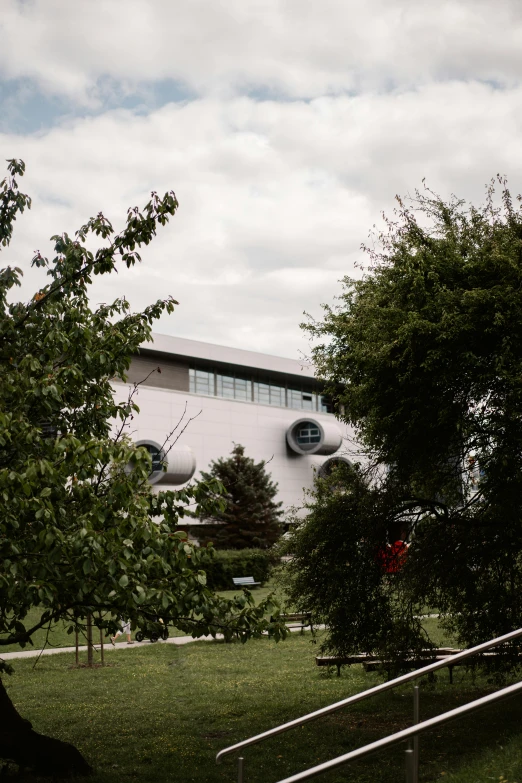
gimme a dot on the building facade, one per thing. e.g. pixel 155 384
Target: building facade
pixel 209 397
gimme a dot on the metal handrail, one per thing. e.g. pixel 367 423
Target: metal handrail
pixel 385 686
pixel 405 734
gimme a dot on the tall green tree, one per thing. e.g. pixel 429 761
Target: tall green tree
pixel 250 516
pixel 423 356
pixel 81 534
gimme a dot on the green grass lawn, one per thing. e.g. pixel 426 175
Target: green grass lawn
pixel 58 636
pixel 162 712
pixel 436 634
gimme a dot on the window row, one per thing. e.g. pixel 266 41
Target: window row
pixel 237 387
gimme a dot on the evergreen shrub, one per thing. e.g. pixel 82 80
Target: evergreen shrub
pixel 250 517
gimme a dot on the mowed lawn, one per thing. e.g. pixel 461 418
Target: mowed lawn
pixel 162 712
pixel 57 636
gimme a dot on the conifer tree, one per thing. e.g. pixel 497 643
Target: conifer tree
pixel 250 517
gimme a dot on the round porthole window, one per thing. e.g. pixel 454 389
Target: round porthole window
pixel 309 436
pixel 330 465
pixel 175 468
pixel 159 460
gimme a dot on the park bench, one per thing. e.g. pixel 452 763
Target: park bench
pixel 420 661
pixel 299 620
pixel 244 581
pixel 372 662
pixel 431 656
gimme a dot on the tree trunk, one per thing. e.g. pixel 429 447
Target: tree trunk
pixel 101 648
pixel 30 750
pixel 90 660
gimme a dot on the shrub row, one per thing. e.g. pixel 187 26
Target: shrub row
pixel 229 563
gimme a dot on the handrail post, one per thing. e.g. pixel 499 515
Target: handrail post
pixel 240 769
pixel 409 761
pixel 416 719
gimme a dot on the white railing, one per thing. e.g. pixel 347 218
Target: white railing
pixel 406 734
pixel 412 753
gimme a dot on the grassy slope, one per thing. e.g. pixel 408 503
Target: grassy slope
pixel 161 713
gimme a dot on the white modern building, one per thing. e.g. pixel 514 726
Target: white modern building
pixel 272 406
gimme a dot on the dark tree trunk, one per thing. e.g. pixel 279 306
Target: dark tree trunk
pixel 101 648
pixel 30 750
pixel 90 659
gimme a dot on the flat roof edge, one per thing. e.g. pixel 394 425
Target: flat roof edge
pixel 194 349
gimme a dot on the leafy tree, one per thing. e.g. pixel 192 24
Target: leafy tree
pixel 81 534
pixel 423 356
pixel 250 517
pixel 341 569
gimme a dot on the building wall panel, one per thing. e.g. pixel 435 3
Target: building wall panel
pixel 174 373
pixel 261 429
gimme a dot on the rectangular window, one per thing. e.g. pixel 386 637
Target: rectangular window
pixel 262 393
pixel 325 406
pixel 308 434
pixel 243 389
pixel 232 387
pixel 308 402
pixel 277 396
pixel 294 398
pixel 303 400
pixel 225 386
pixel 269 394
pixel 201 382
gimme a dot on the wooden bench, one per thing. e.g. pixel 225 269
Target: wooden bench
pixel 418 663
pixel 244 581
pixel 299 620
pixel 372 662
pixel 342 660
pixel 431 656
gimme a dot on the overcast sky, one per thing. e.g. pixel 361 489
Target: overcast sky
pixel 285 128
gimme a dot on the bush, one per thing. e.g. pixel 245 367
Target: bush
pixel 229 563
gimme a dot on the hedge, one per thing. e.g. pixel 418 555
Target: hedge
pixel 229 563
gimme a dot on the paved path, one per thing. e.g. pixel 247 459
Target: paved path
pixel 178 640
pixel 32 653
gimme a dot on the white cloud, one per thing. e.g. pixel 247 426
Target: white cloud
pixel 88 48
pixel 275 198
